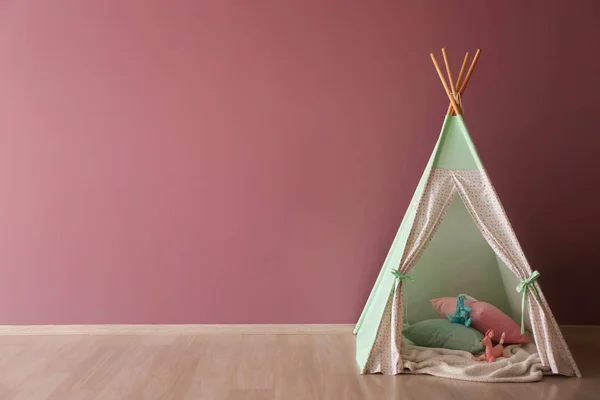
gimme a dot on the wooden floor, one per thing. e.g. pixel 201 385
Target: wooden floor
pixel 245 367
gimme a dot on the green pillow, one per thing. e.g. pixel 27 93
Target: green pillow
pixel 442 333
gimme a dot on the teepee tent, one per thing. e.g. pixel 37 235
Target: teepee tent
pixel 455 226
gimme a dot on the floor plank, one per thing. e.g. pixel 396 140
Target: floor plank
pixel 255 369
pixel 245 367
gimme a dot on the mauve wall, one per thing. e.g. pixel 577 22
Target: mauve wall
pixel 250 161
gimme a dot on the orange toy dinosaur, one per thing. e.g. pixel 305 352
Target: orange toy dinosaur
pixel 491 352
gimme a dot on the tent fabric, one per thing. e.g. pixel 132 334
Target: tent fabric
pixel 477 192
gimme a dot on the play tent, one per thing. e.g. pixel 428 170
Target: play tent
pixel 454 230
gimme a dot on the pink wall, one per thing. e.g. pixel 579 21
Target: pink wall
pixel 249 162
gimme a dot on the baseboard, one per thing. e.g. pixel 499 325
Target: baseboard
pixel 575 329
pixel 202 329
pixel 176 329
pixel 579 326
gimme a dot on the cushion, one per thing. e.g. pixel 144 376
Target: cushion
pixel 484 316
pixel 442 333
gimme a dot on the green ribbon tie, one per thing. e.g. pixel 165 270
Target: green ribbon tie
pixel 522 288
pixel 401 277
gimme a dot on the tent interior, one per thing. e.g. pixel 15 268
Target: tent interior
pixel 458 260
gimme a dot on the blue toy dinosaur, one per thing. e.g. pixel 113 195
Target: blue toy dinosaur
pixel 461 314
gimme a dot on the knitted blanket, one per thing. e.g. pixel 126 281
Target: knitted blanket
pixel 523 365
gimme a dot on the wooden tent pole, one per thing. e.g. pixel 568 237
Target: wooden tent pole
pixel 450 96
pixel 448 71
pixel 464 83
pixel 470 71
pixel 460 75
pixel 462 70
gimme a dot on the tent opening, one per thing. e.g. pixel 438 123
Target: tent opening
pixel 458 260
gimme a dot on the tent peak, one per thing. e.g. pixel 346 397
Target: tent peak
pixel 456 88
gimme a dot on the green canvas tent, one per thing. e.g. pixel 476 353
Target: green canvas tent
pixel 455 238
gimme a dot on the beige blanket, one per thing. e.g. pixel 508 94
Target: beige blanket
pixel 523 365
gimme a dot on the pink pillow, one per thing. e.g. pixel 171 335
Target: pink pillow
pixel 484 316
